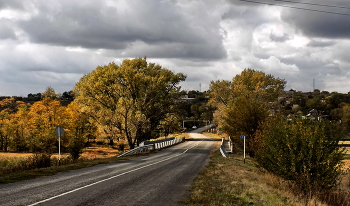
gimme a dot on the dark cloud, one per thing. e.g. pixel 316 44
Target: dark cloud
pixel 316 43
pixel 320 24
pixel 315 24
pixel 100 26
pixel 12 4
pixel 312 20
pixel 54 43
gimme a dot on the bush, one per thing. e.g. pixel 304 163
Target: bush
pixel 37 161
pixel 76 148
pixel 305 152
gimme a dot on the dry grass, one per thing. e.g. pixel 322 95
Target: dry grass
pixel 6 155
pixel 228 181
pixel 94 152
pixel 344 142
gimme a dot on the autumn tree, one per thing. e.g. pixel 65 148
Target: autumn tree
pixel 5 131
pixel 131 98
pixel 19 123
pixel 45 116
pixel 78 129
pixel 50 93
pixel 12 124
pixel 10 105
pixel 243 103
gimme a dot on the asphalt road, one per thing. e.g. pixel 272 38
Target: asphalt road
pixel 162 178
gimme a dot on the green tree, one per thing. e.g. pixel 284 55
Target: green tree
pixel 345 116
pixel 132 98
pixel 244 118
pixel 304 152
pixel 243 103
pixel 299 98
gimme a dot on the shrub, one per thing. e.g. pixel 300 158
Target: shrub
pixel 76 148
pixel 305 152
pixel 35 161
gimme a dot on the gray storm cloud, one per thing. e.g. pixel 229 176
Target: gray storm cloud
pixel 54 43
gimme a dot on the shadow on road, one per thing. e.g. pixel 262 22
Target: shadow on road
pixel 204 139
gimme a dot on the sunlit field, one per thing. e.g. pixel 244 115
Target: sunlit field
pixel 88 153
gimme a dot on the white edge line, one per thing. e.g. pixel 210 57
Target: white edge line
pixel 54 197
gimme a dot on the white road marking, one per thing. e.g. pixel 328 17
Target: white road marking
pixel 60 195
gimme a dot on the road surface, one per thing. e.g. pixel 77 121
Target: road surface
pixel 162 178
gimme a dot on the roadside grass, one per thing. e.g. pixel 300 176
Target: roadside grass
pixel 14 166
pixel 17 176
pixel 228 181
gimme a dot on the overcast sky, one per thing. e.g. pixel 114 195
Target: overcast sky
pixel 55 42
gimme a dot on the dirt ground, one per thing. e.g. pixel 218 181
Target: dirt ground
pixel 99 152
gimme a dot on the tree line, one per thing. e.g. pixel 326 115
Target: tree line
pixel 131 102
pixel 30 128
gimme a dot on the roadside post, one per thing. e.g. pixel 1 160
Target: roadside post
pixel 243 137
pixel 59 131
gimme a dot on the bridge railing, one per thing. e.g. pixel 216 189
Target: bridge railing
pixel 148 146
pixel 139 149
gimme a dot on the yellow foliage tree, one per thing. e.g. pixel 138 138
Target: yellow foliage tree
pixel 45 116
pixel 128 100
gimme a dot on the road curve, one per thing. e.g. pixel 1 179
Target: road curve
pixel 162 178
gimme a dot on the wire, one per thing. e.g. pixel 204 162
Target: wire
pixel 293 7
pixel 325 5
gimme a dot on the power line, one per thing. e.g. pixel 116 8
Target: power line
pixel 293 7
pixel 314 4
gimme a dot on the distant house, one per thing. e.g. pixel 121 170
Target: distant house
pixel 313 114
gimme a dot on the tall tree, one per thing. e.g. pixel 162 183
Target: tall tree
pixel 78 130
pixel 243 103
pixel 12 121
pixel 45 116
pixel 132 98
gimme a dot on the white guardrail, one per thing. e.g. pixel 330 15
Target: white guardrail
pixel 153 146
pixel 222 148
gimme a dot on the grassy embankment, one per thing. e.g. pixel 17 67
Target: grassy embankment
pixel 228 181
pixel 12 169
pixel 92 156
